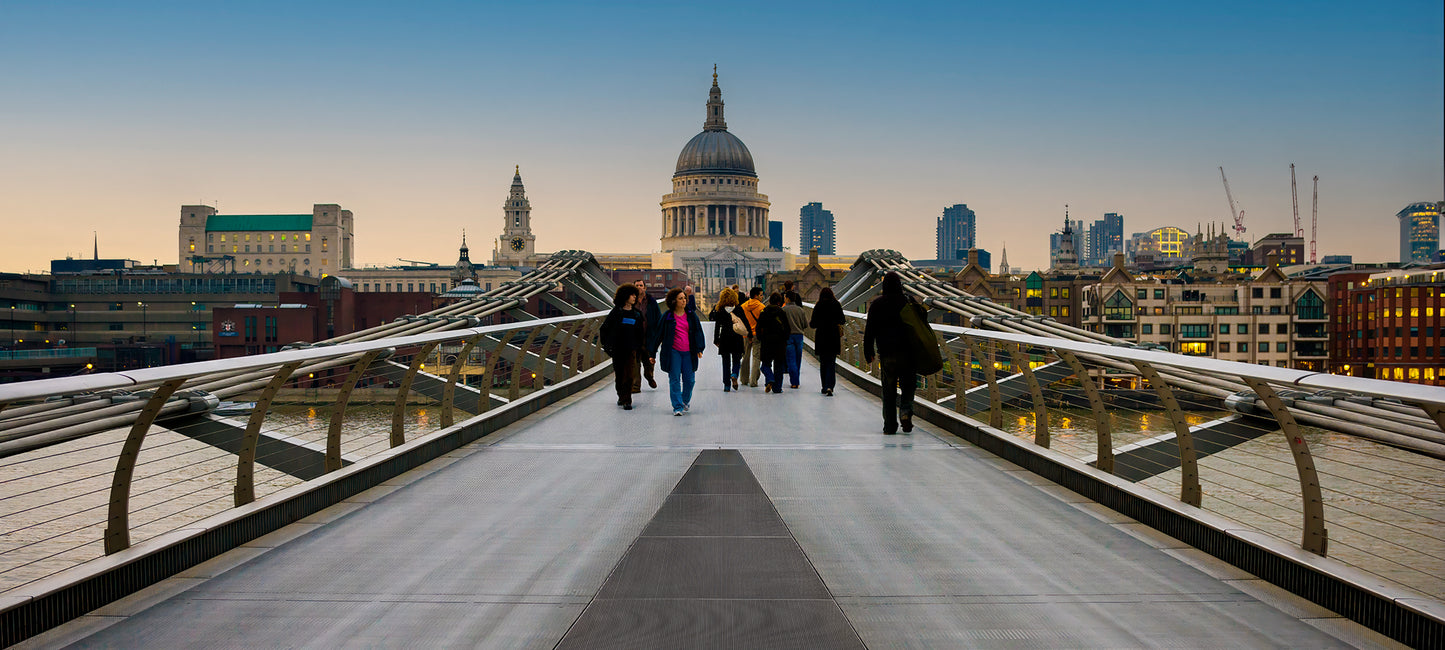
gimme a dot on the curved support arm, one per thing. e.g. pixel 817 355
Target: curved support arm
pixel 514 390
pixel 1189 491
pixel 1041 410
pixel 398 412
pixel 1315 538
pixel 245 491
pixel 990 374
pixel 338 412
pixel 117 526
pixel 1104 455
pixel 449 394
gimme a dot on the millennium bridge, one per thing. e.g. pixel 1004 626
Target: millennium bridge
pixel 464 478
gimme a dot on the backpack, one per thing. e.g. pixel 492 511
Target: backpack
pixel 922 342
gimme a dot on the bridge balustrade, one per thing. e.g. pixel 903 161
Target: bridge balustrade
pixel 1154 418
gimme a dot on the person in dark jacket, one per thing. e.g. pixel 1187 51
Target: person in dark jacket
pixel 772 332
pixel 623 337
pixel 827 323
pixel 650 316
pixel 680 337
pixel 729 343
pixel 885 329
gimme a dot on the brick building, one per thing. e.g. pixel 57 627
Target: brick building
pixel 1388 325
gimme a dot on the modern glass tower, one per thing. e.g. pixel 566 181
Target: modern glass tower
pixel 1419 232
pixel 816 230
pixel 956 232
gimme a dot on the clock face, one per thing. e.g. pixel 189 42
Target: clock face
pixel 518 243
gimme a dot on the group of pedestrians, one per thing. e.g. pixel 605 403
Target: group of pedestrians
pixel 754 337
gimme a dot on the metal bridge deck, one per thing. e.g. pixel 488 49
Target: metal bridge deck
pixel 588 526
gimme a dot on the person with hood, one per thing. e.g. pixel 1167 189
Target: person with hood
pixel 772 335
pixel 650 317
pixel 752 356
pixel 728 341
pixel 679 339
pixel 623 338
pixel 885 330
pixel 827 323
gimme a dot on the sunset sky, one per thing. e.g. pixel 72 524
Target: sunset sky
pixel 412 115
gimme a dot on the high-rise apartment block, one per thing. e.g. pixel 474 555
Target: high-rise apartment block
pixel 816 230
pixel 956 230
pixel 1419 232
pixel 1106 237
pixel 775 235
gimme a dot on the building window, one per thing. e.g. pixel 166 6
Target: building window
pixel 1224 328
pixel 249 324
pixel 1274 292
pixel 1224 346
pixel 323 244
pixel 1194 331
pixel 308 236
pixel 1064 292
pixel 248 248
pixel 1118 307
pixel 193 244
pixel 1146 328
pixel 306 262
pixel 1242 328
pixel 1141 293
pixel 1282 346
pixel 116 327
pixel 409 286
pixel 272 331
pixel 1263 346
pixel 365 286
pixel 1311 306
pixel 1166 328
pixel 308 248
pixel 210 236
pixel 270 248
pixel 1257 292
pixel 210 248
pixel 1158 294
pixel 388 286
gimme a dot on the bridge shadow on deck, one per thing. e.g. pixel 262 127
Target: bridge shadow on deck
pixel 912 541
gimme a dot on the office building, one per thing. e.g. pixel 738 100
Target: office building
pixel 315 244
pixel 775 235
pixel 816 230
pixel 956 232
pixel 1419 233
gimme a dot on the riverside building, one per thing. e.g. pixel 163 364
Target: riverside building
pixel 315 244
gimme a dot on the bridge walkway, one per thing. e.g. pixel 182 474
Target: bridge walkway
pixel 587 526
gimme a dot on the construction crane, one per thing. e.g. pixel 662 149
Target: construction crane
pixel 1314 218
pixel 1299 231
pixel 1238 217
pixel 416 262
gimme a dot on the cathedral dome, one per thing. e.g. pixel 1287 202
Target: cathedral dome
pixel 715 152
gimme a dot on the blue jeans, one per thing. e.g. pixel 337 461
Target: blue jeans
pixel 680 379
pixel 795 357
pixel 732 363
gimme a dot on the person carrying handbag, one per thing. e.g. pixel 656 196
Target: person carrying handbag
pixel 729 335
pixel 886 331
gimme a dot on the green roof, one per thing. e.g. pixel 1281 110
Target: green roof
pixel 258 222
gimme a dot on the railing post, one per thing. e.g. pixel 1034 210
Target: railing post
pixel 245 491
pixel 515 390
pixel 490 373
pixel 1041 411
pixel 117 527
pixel 560 370
pixel 398 413
pixel 338 410
pixel 1315 538
pixel 1103 423
pixel 990 374
pixel 449 393
pixel 962 375
pixel 1189 491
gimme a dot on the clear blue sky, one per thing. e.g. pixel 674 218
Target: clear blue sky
pixel 412 116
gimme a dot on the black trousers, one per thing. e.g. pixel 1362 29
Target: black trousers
pixel 828 371
pixel 624 366
pixel 898 376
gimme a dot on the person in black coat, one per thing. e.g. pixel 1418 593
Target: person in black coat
pixel 772 332
pixel 729 343
pixel 623 337
pixel 680 339
pixel 650 316
pixel 885 329
pixel 827 323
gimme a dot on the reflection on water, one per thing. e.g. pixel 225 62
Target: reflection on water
pixel 1384 507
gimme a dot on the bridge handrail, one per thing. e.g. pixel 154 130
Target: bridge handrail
pixel 42 388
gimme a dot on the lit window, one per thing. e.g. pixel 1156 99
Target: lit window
pixel 1399 374
pixel 1414 311
pixel 1414 372
pixel 283 236
pixel 308 236
pixel 223 238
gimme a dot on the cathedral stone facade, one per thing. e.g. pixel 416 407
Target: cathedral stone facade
pixel 714 222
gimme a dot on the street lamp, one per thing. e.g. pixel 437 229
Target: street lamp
pixel 73 339
pixel 142 320
pixel 12 326
pixel 195 324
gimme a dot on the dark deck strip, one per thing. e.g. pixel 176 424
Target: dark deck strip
pixel 715 568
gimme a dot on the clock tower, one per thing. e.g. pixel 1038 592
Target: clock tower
pixel 517 245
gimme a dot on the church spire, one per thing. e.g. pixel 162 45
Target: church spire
pixel 714 120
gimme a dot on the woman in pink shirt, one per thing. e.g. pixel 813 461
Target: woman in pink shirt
pixel 678 343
